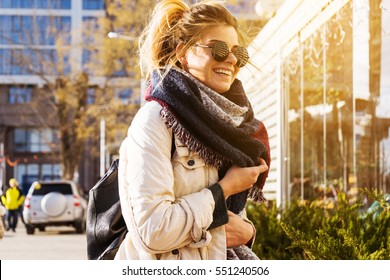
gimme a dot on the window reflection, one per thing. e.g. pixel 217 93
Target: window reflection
pixel 337 139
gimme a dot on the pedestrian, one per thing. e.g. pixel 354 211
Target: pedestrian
pixel 190 204
pixel 2 214
pixel 21 207
pixel 12 199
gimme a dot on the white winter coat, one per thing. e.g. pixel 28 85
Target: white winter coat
pixel 166 203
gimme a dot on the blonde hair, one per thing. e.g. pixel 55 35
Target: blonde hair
pixel 174 22
pixel 13 182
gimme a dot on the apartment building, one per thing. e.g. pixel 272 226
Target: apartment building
pixel 29 145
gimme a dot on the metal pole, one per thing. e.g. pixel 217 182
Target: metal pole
pixel 324 102
pixel 102 146
pixel 302 115
pixel 2 166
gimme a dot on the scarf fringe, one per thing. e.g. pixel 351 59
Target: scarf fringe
pixel 256 194
pixel 208 155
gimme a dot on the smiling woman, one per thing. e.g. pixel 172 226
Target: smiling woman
pixel 213 63
pixel 190 204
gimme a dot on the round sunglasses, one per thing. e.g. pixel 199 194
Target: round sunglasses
pixel 220 51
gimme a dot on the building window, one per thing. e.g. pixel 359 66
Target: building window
pixel 37 30
pixel 120 65
pixel 50 171
pixel 9 26
pixel 34 140
pixel 90 51
pixel 320 113
pixel 93 4
pixel 27 62
pixel 126 96
pixel 36 4
pixel 338 123
pixel 27 173
pixel 318 84
pixel 91 95
pixel 18 95
pixel 5 62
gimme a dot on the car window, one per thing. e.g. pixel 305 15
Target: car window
pixel 47 188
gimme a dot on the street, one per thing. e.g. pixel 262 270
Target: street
pixel 56 243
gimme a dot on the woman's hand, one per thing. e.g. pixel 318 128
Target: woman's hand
pixel 238 179
pixel 238 231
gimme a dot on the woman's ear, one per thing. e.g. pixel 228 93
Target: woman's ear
pixel 180 55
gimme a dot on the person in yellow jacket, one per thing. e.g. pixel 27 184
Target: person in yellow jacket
pixel 12 199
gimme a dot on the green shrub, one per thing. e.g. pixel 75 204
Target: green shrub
pixel 311 231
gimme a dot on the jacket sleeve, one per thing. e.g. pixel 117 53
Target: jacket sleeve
pixel 158 219
pixel 244 217
pixel 220 214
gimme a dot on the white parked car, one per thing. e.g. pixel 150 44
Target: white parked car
pixel 54 203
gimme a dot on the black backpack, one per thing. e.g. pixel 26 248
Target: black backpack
pixel 106 227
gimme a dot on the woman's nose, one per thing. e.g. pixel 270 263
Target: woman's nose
pixel 231 58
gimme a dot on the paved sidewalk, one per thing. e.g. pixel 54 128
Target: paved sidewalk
pixel 56 243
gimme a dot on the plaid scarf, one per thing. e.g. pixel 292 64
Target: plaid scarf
pixel 221 128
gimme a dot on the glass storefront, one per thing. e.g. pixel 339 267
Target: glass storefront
pixel 337 136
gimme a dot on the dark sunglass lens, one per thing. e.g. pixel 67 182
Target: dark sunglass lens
pixel 220 51
pixel 241 54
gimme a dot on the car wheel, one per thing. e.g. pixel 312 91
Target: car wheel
pixel 53 204
pixel 79 226
pixel 30 229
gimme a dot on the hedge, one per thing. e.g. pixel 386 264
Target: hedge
pixel 311 231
